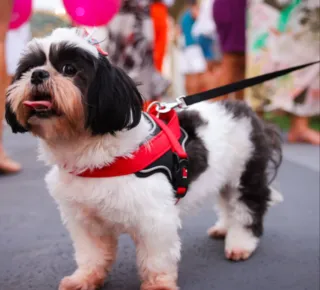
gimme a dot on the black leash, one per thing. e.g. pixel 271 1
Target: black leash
pixel 184 101
pixel 234 87
pixel 231 88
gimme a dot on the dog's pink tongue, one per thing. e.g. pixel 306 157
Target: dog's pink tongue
pixel 38 105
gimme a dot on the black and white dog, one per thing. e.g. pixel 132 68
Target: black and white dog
pixel 87 113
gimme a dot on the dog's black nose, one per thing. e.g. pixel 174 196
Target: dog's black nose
pixel 38 76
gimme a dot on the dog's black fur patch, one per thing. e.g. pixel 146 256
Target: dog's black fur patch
pixel 254 184
pixel 33 58
pixel 113 100
pixel 11 119
pixel 195 148
pixel 85 63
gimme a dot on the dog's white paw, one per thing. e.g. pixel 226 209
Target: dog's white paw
pixel 237 254
pixel 217 231
pixel 69 283
pixel 160 282
pixel 159 287
pixel 82 281
pixel 240 244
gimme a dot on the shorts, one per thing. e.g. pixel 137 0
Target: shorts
pixel 192 60
pixel 206 44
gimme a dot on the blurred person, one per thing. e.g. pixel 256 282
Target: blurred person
pixel 289 35
pixel 130 46
pixel 204 30
pixel 193 64
pixel 159 14
pixel 11 44
pixel 230 20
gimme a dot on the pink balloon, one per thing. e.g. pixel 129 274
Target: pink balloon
pixel 92 12
pixel 20 13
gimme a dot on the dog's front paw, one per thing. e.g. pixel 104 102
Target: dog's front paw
pixel 161 282
pixel 159 287
pixel 240 244
pixel 82 281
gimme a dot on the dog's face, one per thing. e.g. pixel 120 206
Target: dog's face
pixel 64 87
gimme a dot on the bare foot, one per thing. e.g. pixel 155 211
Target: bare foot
pixel 307 136
pixel 7 165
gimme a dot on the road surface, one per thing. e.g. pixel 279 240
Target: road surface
pixel 36 252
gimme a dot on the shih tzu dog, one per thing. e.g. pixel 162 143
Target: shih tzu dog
pixel 87 113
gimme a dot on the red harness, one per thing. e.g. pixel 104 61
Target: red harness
pixel 151 151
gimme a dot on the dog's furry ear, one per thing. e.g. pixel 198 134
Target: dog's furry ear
pixel 10 116
pixel 11 119
pixel 113 100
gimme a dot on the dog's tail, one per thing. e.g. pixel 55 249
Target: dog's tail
pixel 275 144
pixel 275 159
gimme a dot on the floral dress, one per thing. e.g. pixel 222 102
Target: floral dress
pixel 130 46
pixel 281 34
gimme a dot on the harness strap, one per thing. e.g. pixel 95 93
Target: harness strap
pixel 176 146
pixel 147 153
pixel 180 180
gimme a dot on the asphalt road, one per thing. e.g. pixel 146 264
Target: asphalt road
pixel 36 252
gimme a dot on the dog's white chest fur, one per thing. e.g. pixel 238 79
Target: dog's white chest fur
pixel 120 202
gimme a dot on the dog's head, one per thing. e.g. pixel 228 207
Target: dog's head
pixel 64 86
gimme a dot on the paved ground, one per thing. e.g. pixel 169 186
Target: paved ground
pixel 35 250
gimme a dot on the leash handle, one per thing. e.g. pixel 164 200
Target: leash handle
pixel 184 101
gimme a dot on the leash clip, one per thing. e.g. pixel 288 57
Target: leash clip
pixel 163 108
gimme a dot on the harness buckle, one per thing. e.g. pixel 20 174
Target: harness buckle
pixel 180 178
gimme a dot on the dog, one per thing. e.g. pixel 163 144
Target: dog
pixel 87 113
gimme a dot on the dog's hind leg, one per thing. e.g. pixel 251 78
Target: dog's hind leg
pixel 219 230
pixel 247 208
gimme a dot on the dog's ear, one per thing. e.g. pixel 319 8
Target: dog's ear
pixel 113 100
pixel 11 118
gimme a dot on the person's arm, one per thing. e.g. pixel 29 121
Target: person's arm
pixel 6 164
pixel 5 15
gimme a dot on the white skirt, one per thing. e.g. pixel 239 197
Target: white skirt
pixel 16 41
pixel 192 60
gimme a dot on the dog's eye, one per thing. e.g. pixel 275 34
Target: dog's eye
pixel 69 70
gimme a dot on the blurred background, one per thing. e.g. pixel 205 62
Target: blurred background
pixel 174 48
pixel 268 47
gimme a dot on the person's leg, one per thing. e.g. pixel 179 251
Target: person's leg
pixel 193 83
pixel 229 16
pixel 6 164
pixel 231 69
pixel 301 132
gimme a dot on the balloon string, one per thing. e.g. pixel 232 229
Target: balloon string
pixel 91 34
